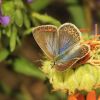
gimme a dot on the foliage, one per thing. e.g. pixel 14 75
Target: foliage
pixel 17 19
pixel 21 22
pixel 29 68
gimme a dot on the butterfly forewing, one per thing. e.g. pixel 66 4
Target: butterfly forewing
pixel 47 38
pixel 69 35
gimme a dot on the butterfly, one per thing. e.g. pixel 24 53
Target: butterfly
pixel 61 45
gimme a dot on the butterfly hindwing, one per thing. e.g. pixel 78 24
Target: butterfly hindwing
pixel 47 38
pixel 65 65
pixel 74 55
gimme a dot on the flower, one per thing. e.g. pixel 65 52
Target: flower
pixel 4 20
pixel 76 97
pixel 29 1
pixel 0 1
pixel 85 77
pixel 91 95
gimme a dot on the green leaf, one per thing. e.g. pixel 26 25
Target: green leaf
pixel 13 39
pixel 5 88
pixel 37 5
pixel 19 4
pixel 98 91
pixel 27 32
pixel 72 1
pixel 24 96
pixel 46 19
pixel 78 16
pixel 8 31
pixel 35 21
pixel 26 21
pixel 0 34
pixel 23 66
pixel 19 17
pixel 18 40
pixel 3 54
pixel 8 8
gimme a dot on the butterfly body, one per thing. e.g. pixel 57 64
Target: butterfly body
pixel 61 45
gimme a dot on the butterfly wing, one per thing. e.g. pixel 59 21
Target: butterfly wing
pixel 74 55
pixel 69 35
pixel 47 38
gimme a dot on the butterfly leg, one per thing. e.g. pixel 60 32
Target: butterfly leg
pixel 52 64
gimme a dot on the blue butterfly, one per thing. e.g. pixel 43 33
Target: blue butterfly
pixel 61 45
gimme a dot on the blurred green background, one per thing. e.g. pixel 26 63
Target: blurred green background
pixel 20 56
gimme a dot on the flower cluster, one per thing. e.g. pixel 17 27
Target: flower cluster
pixel 90 96
pixel 86 77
